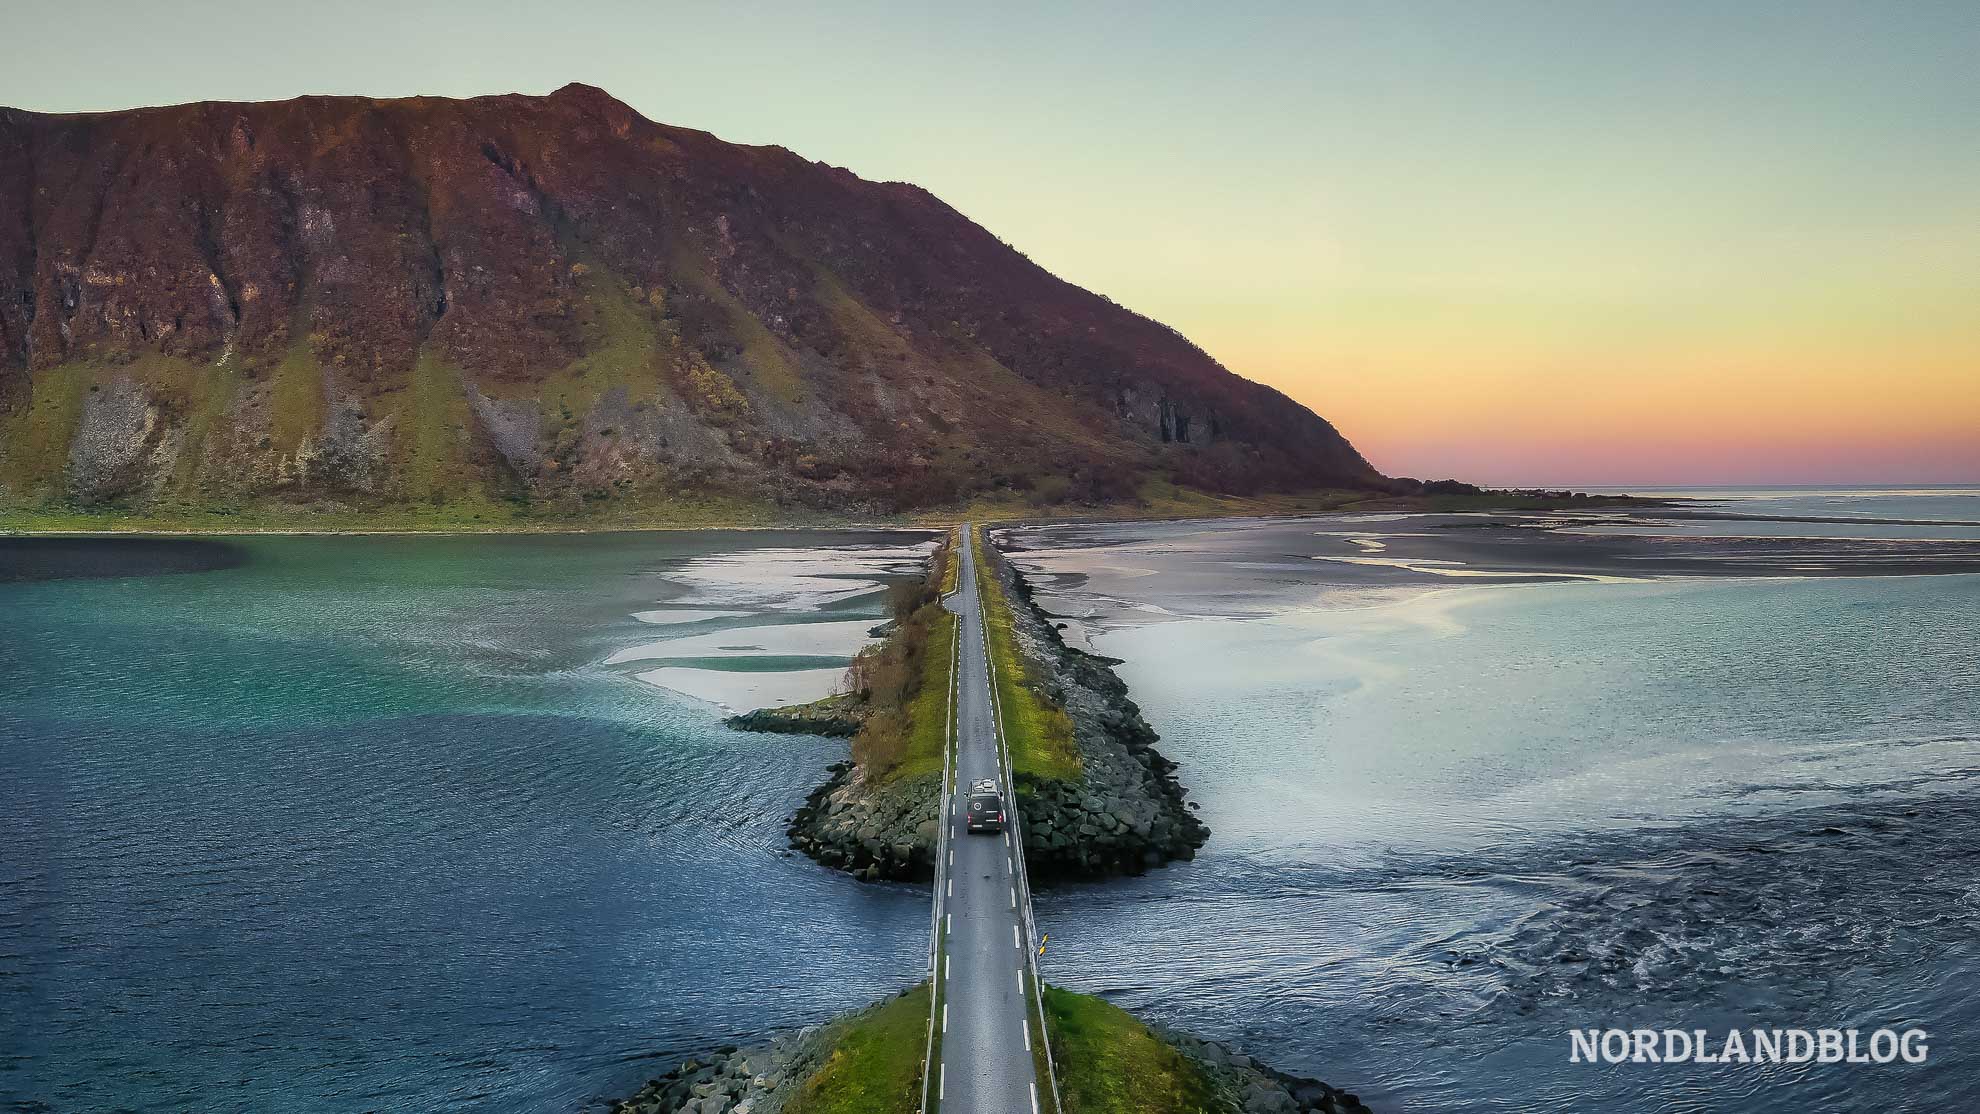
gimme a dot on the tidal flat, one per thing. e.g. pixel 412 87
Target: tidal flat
pixel 1695 778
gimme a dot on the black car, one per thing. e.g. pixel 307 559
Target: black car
pixel 986 812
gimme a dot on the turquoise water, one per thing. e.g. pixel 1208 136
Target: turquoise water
pixel 367 823
pixel 1450 824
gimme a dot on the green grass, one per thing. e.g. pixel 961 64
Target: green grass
pixel 1110 1063
pixel 655 511
pixel 933 1041
pixel 35 439
pixel 1038 732
pixel 431 424
pixel 296 402
pixel 207 410
pixel 952 570
pixel 906 732
pixel 625 347
pixel 928 711
pixel 875 1063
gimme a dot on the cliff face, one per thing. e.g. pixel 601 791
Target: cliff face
pixel 546 299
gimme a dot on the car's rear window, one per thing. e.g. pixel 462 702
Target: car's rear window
pixel 989 802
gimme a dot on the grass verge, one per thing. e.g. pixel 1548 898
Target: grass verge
pixel 1110 1063
pixel 904 683
pixel 875 1063
pixel 952 570
pixel 1037 730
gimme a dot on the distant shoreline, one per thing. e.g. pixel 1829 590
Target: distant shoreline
pixel 64 524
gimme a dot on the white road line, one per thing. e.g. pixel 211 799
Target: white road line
pixel 1020 991
pixel 945 1017
pixel 952 887
pixel 948 924
pixel 1014 938
pixel 945 965
pixel 952 856
pixel 1034 1097
pixel 1027 1032
pixel 1013 897
pixel 942 1083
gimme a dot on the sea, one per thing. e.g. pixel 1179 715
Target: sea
pixel 322 824
pixel 1454 821
pixel 397 823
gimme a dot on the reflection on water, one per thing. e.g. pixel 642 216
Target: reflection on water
pixel 1450 824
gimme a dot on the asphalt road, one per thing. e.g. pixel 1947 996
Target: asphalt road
pixel 987 1023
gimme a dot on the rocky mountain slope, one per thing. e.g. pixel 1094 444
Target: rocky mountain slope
pixel 551 302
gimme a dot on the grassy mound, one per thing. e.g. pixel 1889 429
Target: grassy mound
pixel 1109 1063
pixel 875 1063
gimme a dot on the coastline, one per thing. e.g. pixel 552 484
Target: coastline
pixel 1160 508
pixel 854 1062
pixel 1120 811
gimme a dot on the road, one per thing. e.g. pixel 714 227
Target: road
pixel 989 1016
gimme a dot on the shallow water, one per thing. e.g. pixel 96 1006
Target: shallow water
pixel 368 823
pixel 374 823
pixel 1451 824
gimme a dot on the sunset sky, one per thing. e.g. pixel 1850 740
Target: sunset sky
pixel 1589 243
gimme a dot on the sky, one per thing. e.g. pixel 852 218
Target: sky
pixel 1514 242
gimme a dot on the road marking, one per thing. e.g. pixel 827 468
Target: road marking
pixel 1027 1033
pixel 1014 939
pixel 948 923
pixel 1013 897
pixel 952 887
pixel 942 1084
pixel 1020 991
pixel 1034 1097
pixel 945 1017
pixel 952 856
pixel 945 965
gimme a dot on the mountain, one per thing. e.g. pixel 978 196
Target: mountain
pixel 549 302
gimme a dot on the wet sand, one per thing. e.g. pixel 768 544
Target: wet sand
pixel 1398 554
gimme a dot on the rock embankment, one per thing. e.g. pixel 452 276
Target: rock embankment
pixel 883 834
pixel 731 1080
pixel 1127 813
pixel 1256 1088
pixel 837 716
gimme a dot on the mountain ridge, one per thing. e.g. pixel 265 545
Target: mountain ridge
pixel 554 302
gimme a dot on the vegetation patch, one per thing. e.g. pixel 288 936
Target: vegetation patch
pixel 764 357
pixel 433 428
pixel 874 1066
pixel 1110 1063
pixel 1037 729
pixel 37 435
pixel 952 570
pixel 296 402
pixel 904 682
